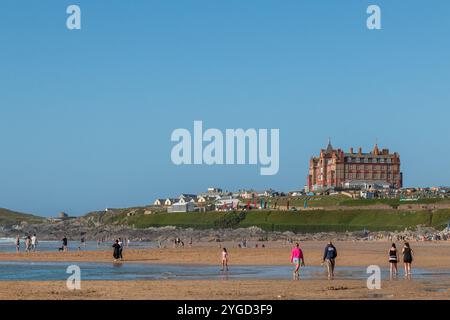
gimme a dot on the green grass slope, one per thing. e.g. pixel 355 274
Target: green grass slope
pixel 9 218
pixel 300 221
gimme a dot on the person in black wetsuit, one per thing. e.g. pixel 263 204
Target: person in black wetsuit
pixel 64 244
pixel 116 252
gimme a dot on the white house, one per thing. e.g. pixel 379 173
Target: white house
pixel 159 202
pixel 205 199
pixel 170 202
pixel 185 195
pixel 187 200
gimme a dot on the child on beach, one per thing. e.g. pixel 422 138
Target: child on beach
pixel 224 259
pixel 393 260
pixel 27 244
pixel 407 258
pixel 297 259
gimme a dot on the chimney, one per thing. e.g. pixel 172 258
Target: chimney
pixel 359 150
pixel 351 150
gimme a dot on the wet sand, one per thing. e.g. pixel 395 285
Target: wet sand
pixel 224 290
pixel 426 254
pixel 430 255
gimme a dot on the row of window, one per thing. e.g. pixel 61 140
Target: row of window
pixel 371 176
pixel 369 160
pixel 368 167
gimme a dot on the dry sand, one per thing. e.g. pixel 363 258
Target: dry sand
pixel 427 255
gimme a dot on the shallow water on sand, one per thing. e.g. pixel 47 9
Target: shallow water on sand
pixel 47 271
pixel 8 245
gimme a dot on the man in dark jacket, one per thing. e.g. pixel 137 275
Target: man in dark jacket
pixel 329 257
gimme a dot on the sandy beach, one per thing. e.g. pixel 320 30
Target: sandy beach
pixel 428 255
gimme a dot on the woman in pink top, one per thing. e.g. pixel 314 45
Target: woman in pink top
pixel 297 259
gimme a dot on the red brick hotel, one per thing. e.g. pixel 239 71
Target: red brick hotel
pixel 335 168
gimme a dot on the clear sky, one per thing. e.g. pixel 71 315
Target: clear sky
pixel 86 116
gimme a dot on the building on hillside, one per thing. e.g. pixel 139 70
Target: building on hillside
pixel 170 202
pixel 63 216
pixel 334 168
pixel 185 195
pixel 159 202
pixel 227 203
pixel 181 207
pixel 205 199
pixel 188 199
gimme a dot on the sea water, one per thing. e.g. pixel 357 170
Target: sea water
pixel 9 245
pixel 47 271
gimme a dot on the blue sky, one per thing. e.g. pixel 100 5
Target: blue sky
pixel 86 116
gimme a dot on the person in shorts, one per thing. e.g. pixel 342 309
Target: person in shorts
pixel 297 259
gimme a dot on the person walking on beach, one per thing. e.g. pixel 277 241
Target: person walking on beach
pixel 329 258
pixel 64 244
pixel 297 259
pixel 116 252
pixel 407 258
pixel 27 244
pixel 33 242
pixel 17 244
pixel 393 260
pixel 225 258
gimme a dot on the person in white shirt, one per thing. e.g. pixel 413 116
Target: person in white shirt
pixel 33 242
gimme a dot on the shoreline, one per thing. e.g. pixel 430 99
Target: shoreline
pixel 428 255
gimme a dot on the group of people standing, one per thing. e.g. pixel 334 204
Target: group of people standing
pixel 30 243
pixel 118 250
pixel 330 255
pixel 407 254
